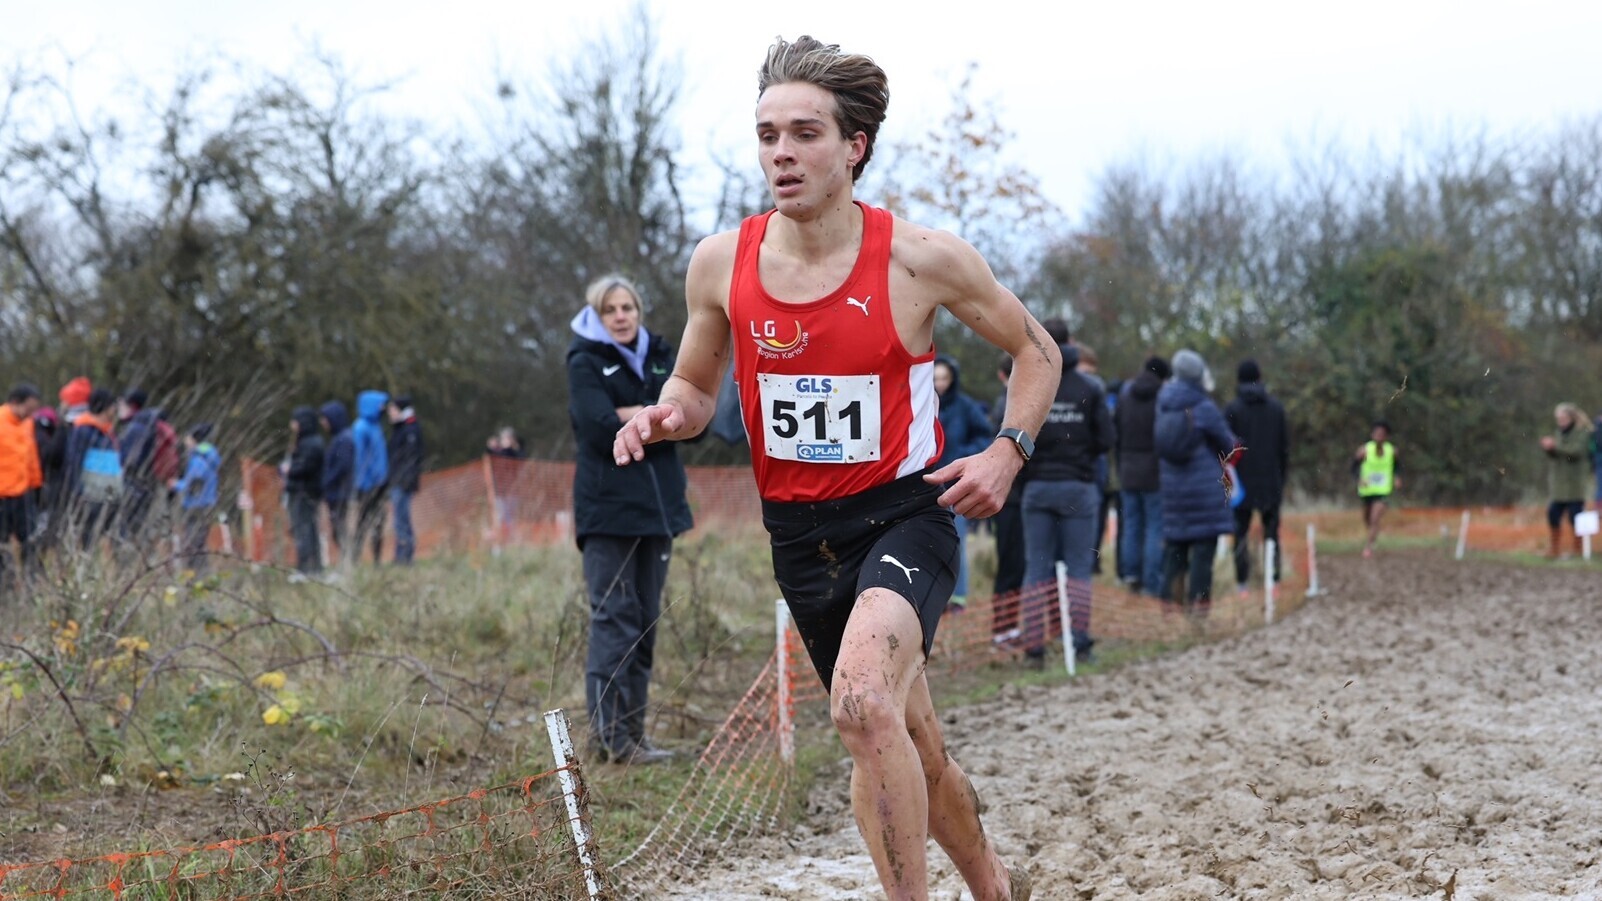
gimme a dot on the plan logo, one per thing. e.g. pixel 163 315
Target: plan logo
pixel 821 453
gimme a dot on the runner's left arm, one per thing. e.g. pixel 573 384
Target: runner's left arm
pixel 970 291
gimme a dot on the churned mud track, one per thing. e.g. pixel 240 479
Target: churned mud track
pixel 1427 729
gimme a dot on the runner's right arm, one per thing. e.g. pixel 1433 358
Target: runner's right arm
pixel 690 397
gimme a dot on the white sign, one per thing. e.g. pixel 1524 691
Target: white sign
pixel 1586 523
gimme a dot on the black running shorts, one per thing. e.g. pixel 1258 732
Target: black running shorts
pixel 827 553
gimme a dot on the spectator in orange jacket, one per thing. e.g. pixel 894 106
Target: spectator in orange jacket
pixel 20 474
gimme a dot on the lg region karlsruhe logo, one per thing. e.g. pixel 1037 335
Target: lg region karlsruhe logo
pixel 772 340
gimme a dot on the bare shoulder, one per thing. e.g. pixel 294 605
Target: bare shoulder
pixel 936 259
pixel 714 254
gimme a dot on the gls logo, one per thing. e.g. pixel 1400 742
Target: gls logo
pixel 813 385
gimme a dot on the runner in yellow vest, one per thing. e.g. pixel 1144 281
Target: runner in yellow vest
pixel 1377 476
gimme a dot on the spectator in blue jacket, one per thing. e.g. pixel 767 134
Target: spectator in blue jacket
pixel 339 473
pixel 967 432
pixel 372 473
pixel 197 494
pixel 1192 440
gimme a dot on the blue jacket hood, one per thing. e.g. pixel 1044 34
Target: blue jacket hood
pixel 369 404
pixel 338 419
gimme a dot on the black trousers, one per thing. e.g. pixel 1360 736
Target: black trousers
pixel 16 521
pixel 1194 560
pixel 1010 560
pixel 1243 554
pixel 303 528
pixel 625 576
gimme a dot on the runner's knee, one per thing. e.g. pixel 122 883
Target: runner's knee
pixel 863 713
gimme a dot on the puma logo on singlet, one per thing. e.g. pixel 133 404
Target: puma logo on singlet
pixel 860 303
pixel 889 559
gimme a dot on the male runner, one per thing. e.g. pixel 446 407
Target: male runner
pixel 832 306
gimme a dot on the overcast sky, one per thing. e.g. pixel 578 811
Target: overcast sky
pixel 1080 85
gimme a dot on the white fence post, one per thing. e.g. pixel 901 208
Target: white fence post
pixel 1462 536
pixel 1269 547
pixel 1312 560
pixel 578 814
pixel 1062 610
pixel 781 620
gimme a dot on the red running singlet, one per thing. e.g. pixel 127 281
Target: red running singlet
pixel 833 403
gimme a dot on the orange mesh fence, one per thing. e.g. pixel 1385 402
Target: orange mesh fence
pixel 738 787
pixel 1486 529
pixel 497 502
pixel 490 503
pixel 489 841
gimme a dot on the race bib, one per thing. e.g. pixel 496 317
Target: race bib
pixel 820 418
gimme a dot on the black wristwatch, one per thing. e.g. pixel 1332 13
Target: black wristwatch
pixel 1021 440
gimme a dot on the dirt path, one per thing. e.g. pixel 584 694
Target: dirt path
pixel 1424 719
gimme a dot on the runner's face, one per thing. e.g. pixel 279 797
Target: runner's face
pixel 621 315
pixel 804 157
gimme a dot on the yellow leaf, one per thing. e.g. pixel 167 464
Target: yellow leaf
pixel 290 703
pixel 16 690
pixel 272 681
pixel 274 716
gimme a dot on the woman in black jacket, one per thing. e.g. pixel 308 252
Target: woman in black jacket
pixel 625 518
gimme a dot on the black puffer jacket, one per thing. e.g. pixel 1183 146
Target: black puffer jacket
pixel 1137 423
pixel 1258 421
pixel 644 498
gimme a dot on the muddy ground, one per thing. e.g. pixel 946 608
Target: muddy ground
pixel 1425 729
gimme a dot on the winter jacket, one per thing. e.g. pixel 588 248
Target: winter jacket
pixel 53 456
pixel 645 497
pixel 20 472
pixel 966 428
pixel 305 474
pixel 148 449
pixel 406 455
pixel 88 433
pixel 1191 435
pixel 339 458
pixel 1136 423
pixel 1566 467
pixel 1077 431
pixel 197 487
pixel 372 457
pixel 1258 421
